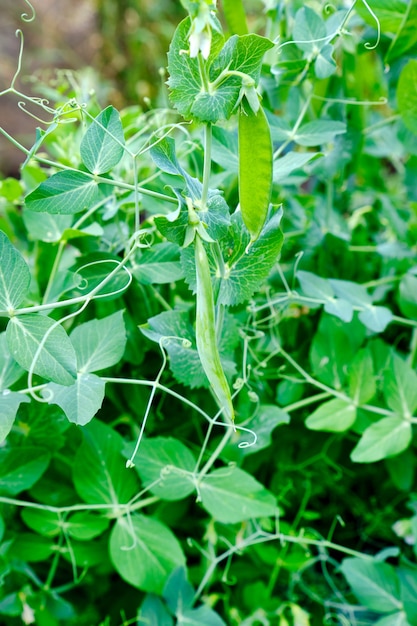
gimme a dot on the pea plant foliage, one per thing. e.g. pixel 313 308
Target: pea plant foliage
pixel 208 342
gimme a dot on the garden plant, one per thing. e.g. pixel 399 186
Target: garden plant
pixel 208 346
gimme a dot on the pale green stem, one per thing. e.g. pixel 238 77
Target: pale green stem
pixel 207 164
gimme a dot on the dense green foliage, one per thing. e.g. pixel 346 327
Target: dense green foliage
pixel 208 340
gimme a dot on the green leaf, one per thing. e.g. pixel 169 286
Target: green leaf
pixel 10 371
pixel 407 296
pixel 400 387
pixel 362 385
pixel 267 418
pixel 99 470
pixel 291 162
pixel 164 156
pixel 166 465
pixel 173 327
pixel 14 276
pixel 79 401
pixel 319 132
pixel 10 402
pixel 390 14
pixel 42 521
pixel 376 318
pixel 65 192
pixel 334 344
pixel 102 146
pixel 44 226
pixel 86 525
pixel 153 612
pixel 178 591
pixel 21 468
pixel 407 95
pixel 32 548
pixel 11 604
pixel 309 31
pixel 405 36
pixel 158 265
pixel 99 343
pixel 231 495
pixel 247 269
pixel 144 552
pixel 316 287
pixel 325 65
pixel 225 149
pixel 383 439
pixel 240 53
pixel 335 416
pixel 201 616
pixel 52 358
pixel 375 584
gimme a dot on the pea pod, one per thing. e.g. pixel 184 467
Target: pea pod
pixel 234 13
pixel 255 168
pixel 206 331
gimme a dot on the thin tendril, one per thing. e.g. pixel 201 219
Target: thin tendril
pixel 368 46
pixel 25 16
pixel 19 34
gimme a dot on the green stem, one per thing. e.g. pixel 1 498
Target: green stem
pixel 207 164
pixel 295 128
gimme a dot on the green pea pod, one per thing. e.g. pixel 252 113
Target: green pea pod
pixel 206 332
pixel 255 168
pixel 234 13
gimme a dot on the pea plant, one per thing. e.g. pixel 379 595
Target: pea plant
pixel 208 342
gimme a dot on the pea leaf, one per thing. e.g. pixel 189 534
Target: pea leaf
pixel 14 276
pixel 164 156
pixel 240 53
pixel 10 402
pixel 159 265
pixel 362 385
pixel 99 471
pixel 52 358
pixel 231 495
pixel 247 269
pixel 407 296
pixel 42 521
pixel 144 552
pixel 154 613
pixel 21 468
pixel 385 438
pixel 173 327
pixel 10 371
pixel 319 132
pixel 167 465
pixel 291 162
pixel 309 31
pixel 320 288
pixel 335 416
pixel 45 226
pixel 79 401
pixel 400 387
pixel 407 95
pixel 85 525
pixel 375 584
pixel 99 343
pixel 102 146
pixel 267 418
pixel 65 192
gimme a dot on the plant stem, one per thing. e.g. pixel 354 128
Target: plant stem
pixel 207 164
